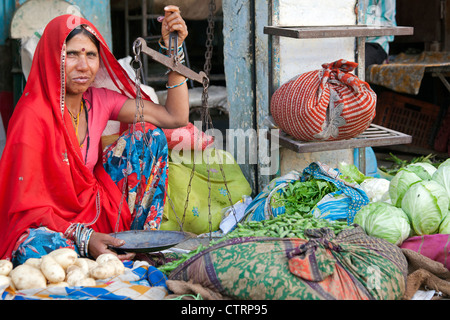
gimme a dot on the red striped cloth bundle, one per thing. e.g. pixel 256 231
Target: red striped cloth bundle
pixel 326 104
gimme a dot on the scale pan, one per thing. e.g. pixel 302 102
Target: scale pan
pixel 149 241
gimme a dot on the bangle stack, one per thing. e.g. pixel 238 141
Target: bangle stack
pixel 81 235
pixel 180 51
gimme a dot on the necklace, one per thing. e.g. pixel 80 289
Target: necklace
pixel 76 120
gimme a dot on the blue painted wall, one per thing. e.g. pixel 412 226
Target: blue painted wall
pixel 247 64
pixel 7 8
pixel 96 11
pixel 99 13
pixel 238 65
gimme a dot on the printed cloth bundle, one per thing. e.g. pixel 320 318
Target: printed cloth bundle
pixel 339 205
pixel 349 266
pixel 326 104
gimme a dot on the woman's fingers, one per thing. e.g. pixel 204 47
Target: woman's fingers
pixel 171 8
pixel 115 242
pixel 173 22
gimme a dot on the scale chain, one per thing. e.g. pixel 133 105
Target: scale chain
pixel 139 114
pixel 205 116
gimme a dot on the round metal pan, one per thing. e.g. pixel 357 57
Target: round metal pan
pixel 149 241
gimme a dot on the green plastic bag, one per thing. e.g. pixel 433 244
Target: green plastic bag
pixel 196 219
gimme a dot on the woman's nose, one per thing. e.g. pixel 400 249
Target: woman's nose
pixel 82 62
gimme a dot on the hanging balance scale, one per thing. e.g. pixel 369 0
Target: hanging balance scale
pixel 157 240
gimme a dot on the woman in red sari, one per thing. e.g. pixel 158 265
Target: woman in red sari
pixel 52 173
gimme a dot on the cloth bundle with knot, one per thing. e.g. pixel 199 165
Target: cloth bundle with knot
pixel 326 104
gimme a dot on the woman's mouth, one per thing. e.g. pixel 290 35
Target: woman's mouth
pixel 81 80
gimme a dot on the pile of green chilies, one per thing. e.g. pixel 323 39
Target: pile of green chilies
pixel 285 226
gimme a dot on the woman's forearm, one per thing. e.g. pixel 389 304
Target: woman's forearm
pixel 177 101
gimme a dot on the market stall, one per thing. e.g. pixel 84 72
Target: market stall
pixel 318 233
pixel 321 233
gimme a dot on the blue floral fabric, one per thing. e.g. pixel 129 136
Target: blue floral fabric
pixel 147 179
pixel 39 242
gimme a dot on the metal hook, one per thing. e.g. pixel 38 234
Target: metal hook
pixel 137 46
pixel 136 63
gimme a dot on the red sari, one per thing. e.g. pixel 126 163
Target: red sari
pixel 43 179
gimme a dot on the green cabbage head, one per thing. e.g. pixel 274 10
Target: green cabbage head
pixel 427 166
pixel 444 227
pixel 404 178
pixel 426 204
pixel 442 176
pixel 383 220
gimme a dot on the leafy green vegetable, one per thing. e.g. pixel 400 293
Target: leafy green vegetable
pixel 445 163
pixel 444 227
pixel 426 204
pixel 383 220
pixel 442 176
pixel 403 180
pixel 377 189
pixel 302 196
pixel 350 173
pixel 427 166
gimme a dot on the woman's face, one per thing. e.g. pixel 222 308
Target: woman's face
pixel 82 63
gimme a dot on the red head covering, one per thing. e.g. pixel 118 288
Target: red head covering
pixel 43 180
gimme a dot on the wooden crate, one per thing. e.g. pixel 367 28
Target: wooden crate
pixel 408 115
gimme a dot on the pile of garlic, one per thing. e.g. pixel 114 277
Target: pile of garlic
pixel 61 267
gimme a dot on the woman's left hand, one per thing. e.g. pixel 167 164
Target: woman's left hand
pixel 99 242
pixel 173 22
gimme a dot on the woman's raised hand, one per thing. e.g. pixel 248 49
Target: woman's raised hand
pixel 173 22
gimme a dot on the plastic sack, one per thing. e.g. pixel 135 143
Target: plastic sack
pixel 197 216
pixel 233 215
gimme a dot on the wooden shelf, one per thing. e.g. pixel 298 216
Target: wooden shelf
pixel 374 136
pixel 309 32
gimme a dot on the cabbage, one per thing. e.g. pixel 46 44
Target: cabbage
pixel 404 178
pixel 383 220
pixel 442 176
pixel 426 204
pixel 444 227
pixel 427 166
pixel 377 189
pixel 445 163
pixel 350 173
